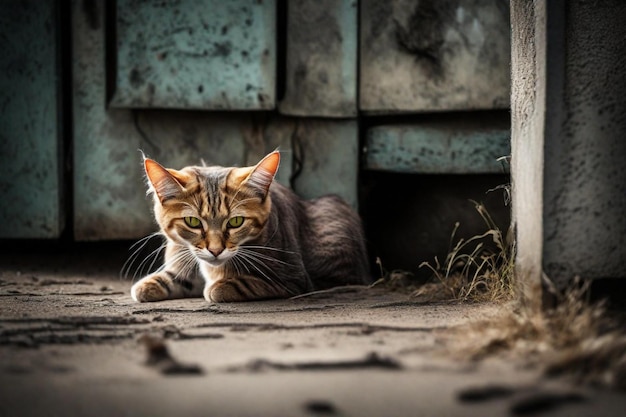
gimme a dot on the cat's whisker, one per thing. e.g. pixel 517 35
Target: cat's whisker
pixel 268 248
pixel 157 254
pixel 186 268
pixel 139 245
pixel 264 256
pixel 184 261
pixel 251 261
pixel 178 259
pixel 154 255
pixel 145 239
pixel 236 264
pixel 133 256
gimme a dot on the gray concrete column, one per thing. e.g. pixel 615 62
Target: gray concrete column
pixel 568 107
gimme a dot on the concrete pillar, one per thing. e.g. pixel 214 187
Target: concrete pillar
pixel 568 140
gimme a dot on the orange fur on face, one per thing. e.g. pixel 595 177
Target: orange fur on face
pixel 214 195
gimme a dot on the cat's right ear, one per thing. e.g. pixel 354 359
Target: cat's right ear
pixel 162 181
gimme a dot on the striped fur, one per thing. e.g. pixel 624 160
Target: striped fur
pixel 285 246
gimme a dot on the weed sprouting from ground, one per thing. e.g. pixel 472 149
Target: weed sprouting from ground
pixel 479 268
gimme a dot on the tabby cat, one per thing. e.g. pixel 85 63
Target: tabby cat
pixel 234 234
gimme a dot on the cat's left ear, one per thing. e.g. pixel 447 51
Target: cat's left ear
pixel 263 173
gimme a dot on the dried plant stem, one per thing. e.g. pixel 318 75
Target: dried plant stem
pixel 472 270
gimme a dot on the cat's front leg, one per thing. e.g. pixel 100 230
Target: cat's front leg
pixel 243 288
pixel 176 279
pixel 165 285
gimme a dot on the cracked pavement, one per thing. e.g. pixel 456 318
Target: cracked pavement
pixel 73 342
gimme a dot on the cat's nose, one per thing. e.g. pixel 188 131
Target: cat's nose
pixel 216 251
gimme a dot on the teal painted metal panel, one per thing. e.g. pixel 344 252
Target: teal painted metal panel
pixel 330 158
pixel 108 183
pixel 445 148
pixel 30 169
pixel 196 54
pixel 434 55
pixel 321 58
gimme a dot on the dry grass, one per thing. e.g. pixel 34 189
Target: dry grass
pixel 575 339
pixel 479 268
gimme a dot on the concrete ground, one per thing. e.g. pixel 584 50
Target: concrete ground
pixel 72 342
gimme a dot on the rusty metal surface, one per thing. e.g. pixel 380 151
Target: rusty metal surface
pixel 30 170
pixel 434 55
pixel 203 54
pixel 321 58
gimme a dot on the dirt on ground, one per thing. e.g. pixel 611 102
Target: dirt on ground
pixel 72 342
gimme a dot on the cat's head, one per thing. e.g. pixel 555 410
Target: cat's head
pixel 212 210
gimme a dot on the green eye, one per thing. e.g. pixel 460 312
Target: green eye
pixel 235 222
pixel 192 222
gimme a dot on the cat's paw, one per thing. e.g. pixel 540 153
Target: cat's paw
pixel 150 288
pixel 244 288
pixel 223 292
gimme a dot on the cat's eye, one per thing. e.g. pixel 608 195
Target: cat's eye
pixel 193 222
pixel 235 222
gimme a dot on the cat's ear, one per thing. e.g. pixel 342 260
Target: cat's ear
pixel 263 173
pixel 166 183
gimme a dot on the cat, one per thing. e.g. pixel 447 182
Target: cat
pixel 235 234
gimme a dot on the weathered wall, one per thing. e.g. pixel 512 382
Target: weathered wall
pixel 568 130
pixel 227 82
pixel 425 67
pixel 528 61
pixel 109 190
pixel 195 55
pixel 30 144
pixel 585 173
pixel 457 145
pixel 321 58
pixel 434 55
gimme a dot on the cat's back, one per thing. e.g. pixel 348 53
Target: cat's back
pixel 329 237
pixel 335 244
